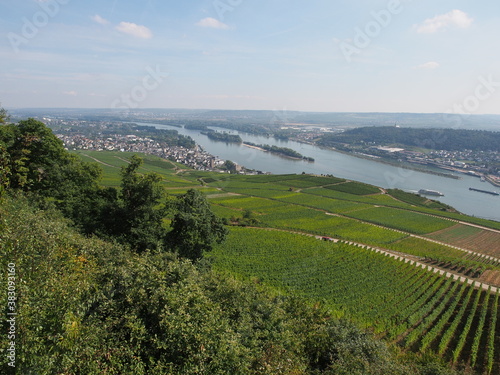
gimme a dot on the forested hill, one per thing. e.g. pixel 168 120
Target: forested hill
pixel 436 139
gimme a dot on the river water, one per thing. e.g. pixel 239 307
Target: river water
pixel 456 192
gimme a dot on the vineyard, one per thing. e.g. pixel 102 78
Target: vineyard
pixel 404 220
pixel 418 310
pixel 111 163
pixel 410 306
pixel 471 238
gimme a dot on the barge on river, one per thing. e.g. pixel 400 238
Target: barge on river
pixel 485 191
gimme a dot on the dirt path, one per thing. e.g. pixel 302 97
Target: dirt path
pixel 222 195
pixel 99 161
pixel 479 226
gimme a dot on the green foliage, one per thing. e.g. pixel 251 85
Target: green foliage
pixel 408 304
pixel 4 116
pixel 436 139
pixel 356 188
pixel 402 219
pixel 224 137
pixel 39 163
pixel 417 200
pixel 89 307
pixel 37 155
pixel 140 216
pixel 230 166
pixel 195 228
pixel 4 169
pixel 281 151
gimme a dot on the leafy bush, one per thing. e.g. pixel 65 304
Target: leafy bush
pixel 87 306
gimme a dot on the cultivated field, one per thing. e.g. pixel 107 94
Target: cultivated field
pixel 407 305
pixel 410 306
pixel 484 241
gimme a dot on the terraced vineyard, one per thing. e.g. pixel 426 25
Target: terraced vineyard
pixel 111 163
pixel 379 220
pixel 409 305
pixel 470 238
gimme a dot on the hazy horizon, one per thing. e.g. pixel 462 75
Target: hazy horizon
pixel 377 56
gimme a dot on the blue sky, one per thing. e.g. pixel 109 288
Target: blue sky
pixel 319 55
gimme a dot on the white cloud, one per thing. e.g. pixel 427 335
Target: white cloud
pixel 429 65
pixel 138 31
pixel 70 93
pixel 455 18
pixel 212 23
pixel 97 18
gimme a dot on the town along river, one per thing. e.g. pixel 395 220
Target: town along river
pixel 456 191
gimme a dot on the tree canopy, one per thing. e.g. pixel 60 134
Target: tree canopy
pixel 35 160
pixel 195 228
pixel 93 307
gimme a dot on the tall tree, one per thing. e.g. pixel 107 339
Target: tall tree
pixel 4 116
pixel 4 169
pixel 34 159
pixel 4 157
pixel 36 155
pixel 142 211
pixel 195 228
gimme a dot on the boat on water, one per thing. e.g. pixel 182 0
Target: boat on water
pixel 485 191
pixel 431 192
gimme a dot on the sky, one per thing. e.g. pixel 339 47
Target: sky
pixel 429 56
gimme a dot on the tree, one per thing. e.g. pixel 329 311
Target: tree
pixel 230 166
pixel 4 169
pixel 195 228
pixel 141 215
pixel 4 157
pixel 4 116
pixel 36 156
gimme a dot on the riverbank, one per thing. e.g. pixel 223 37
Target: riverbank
pixel 381 160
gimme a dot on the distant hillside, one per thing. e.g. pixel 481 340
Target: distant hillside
pixel 245 120
pixel 436 139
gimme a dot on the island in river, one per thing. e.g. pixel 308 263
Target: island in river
pixel 284 151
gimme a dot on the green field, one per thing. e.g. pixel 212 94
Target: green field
pixel 404 220
pixel 111 163
pixel 304 203
pixel 355 188
pixel 408 305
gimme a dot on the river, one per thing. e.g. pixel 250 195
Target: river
pixel 456 192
